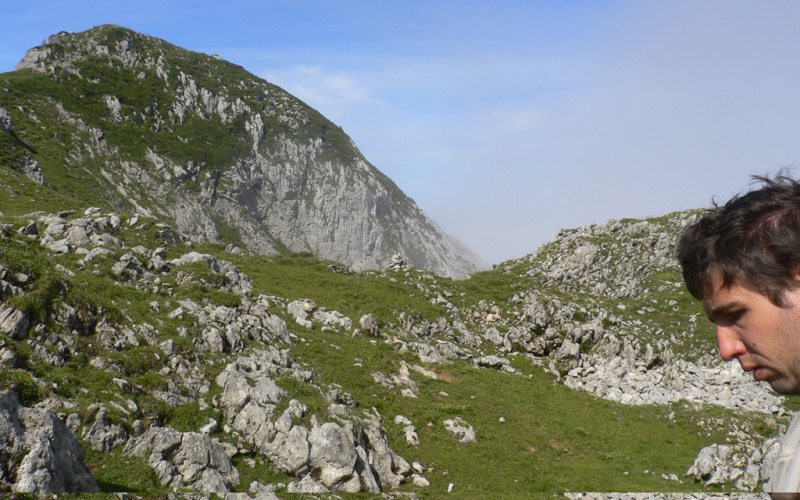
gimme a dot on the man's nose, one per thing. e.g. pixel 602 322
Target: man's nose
pixel 730 345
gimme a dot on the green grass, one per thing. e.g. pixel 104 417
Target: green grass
pixel 45 284
pixel 115 472
pixel 300 276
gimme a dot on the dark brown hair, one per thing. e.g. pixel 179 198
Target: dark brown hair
pixel 753 240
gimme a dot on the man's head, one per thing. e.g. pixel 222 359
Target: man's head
pixel 742 260
pixel 753 240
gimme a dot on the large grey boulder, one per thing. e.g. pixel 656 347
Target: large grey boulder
pixel 289 451
pixel 711 464
pixel 301 309
pixel 334 456
pixel 38 453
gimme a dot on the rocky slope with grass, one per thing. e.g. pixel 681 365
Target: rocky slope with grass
pixel 137 124
pixel 155 364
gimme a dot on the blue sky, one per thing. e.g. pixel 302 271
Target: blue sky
pixel 507 120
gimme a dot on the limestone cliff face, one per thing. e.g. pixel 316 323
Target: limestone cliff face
pixel 223 154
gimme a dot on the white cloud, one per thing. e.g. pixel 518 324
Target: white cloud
pixel 334 92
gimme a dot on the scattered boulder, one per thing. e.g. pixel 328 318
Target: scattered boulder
pixel 369 325
pixel 397 264
pixel 301 308
pixel 236 282
pixel 459 428
pixel 333 320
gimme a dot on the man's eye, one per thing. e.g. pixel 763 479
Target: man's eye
pixel 733 317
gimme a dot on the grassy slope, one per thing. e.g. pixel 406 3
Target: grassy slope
pixel 553 439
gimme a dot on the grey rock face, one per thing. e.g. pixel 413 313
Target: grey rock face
pixel 39 452
pixel 363 211
pixel 5 119
pixel 13 322
pixel 30 167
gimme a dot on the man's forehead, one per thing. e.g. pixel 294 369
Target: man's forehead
pixel 721 295
pixel 719 286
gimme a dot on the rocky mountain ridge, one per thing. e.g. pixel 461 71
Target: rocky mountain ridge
pixel 219 153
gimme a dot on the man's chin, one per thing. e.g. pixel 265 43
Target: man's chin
pixel 784 386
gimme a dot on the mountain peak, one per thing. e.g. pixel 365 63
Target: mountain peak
pixel 224 155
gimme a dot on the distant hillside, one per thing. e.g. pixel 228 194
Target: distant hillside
pixel 113 118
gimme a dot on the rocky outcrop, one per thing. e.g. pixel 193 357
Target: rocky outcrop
pixel 350 453
pixel 186 460
pixel 597 345
pixel 628 380
pixel 719 464
pixel 348 457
